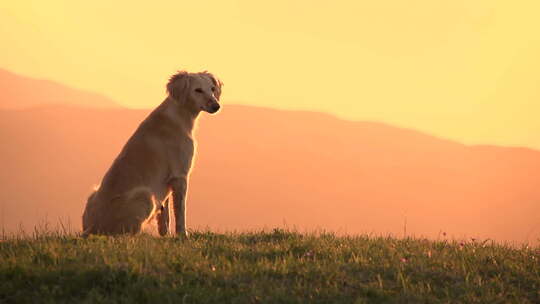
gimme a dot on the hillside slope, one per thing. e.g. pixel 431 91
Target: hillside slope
pixel 264 267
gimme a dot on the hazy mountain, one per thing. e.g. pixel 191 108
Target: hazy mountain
pixel 259 168
pixel 19 92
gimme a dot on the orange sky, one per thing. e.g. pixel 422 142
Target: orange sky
pixel 465 70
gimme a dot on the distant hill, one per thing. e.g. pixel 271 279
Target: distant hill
pixel 260 167
pixel 20 92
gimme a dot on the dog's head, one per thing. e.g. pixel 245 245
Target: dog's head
pixel 198 91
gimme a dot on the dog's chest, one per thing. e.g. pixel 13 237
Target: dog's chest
pixel 181 157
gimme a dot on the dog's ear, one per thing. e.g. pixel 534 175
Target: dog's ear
pixel 216 82
pixel 178 86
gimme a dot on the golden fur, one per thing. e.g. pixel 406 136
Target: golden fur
pixel 155 163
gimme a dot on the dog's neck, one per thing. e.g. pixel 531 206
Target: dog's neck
pixel 181 115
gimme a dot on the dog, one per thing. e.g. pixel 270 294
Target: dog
pixel 155 163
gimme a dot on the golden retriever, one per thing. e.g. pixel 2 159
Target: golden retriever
pixel 155 163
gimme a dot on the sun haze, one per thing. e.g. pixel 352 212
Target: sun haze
pixel 465 70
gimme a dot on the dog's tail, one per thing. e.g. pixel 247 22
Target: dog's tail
pixel 87 224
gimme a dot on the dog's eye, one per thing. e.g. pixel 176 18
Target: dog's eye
pixel 198 90
pixel 213 89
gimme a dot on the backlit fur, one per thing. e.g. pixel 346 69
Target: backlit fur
pixel 155 163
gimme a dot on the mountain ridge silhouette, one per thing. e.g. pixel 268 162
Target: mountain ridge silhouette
pixel 21 92
pixel 259 168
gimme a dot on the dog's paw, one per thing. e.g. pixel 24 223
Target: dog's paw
pixel 182 235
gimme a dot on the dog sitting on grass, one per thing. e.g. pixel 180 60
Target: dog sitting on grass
pixel 155 163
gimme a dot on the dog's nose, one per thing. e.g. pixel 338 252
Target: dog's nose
pixel 215 107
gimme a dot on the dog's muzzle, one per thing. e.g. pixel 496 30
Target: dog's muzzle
pixel 213 108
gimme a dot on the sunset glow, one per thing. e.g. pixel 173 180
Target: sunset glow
pixel 464 70
pixel 220 151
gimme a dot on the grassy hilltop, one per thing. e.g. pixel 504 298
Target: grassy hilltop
pixel 264 267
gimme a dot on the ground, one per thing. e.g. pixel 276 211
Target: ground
pixel 264 267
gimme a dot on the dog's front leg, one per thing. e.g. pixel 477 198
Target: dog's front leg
pixel 179 190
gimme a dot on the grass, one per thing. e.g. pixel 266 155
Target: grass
pixel 264 267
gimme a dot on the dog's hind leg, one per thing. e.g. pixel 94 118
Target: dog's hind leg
pixel 133 211
pixel 163 218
